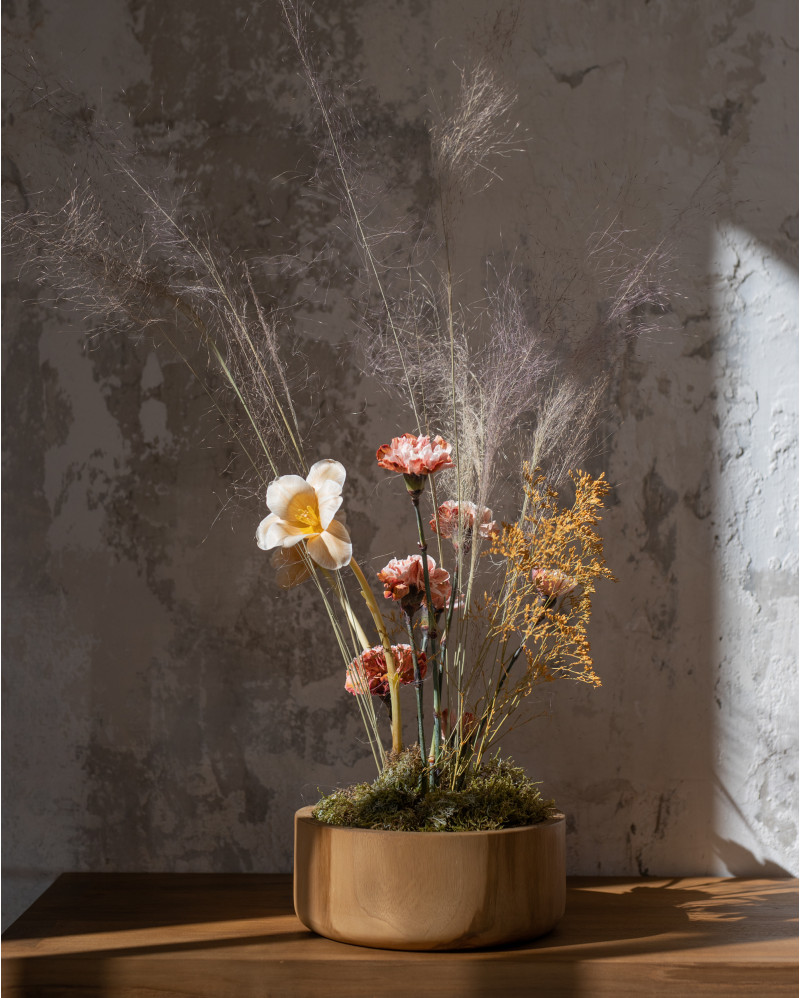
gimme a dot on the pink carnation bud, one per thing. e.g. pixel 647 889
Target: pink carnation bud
pixel 551 583
pixel 454 518
pixel 404 580
pixel 468 723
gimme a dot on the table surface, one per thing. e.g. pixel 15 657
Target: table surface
pixel 236 935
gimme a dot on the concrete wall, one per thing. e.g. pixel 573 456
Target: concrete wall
pixel 165 707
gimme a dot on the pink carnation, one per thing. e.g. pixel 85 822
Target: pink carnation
pixel 367 673
pixel 404 580
pixel 446 521
pixel 551 583
pixel 468 723
pixel 416 456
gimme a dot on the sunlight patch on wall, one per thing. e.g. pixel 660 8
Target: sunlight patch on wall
pixel 755 545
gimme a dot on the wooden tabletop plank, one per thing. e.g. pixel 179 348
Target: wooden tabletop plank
pixel 215 935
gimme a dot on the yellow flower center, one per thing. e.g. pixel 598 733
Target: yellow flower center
pixel 304 513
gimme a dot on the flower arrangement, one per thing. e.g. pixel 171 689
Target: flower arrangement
pixel 485 654
pixel 501 411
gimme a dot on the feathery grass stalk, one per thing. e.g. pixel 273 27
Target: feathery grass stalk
pixel 232 381
pixel 335 583
pixel 459 659
pixel 391 671
pixel 435 504
pixel 278 367
pixel 446 644
pixel 99 269
pixel 417 683
pixel 364 700
pixel 451 335
pixel 451 608
pixel 293 24
pixel 436 665
pixel 235 435
pixel 204 255
pixel 191 314
pixel 479 395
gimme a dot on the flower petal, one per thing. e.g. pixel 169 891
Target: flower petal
pixel 263 530
pixel 283 490
pixel 328 488
pixel 279 533
pixel 326 471
pixel 332 548
pixel 328 505
pixel 291 539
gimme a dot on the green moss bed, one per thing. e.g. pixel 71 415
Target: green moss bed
pixel 499 795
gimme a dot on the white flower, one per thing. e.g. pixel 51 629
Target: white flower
pixel 304 510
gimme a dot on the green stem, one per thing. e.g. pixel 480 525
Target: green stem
pixel 417 684
pixel 436 665
pixel 479 735
pixel 451 607
pixel 508 669
pixel 391 671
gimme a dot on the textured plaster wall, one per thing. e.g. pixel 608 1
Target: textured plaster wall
pixel 164 707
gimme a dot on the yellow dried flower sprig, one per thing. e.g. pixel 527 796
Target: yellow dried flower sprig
pixel 552 558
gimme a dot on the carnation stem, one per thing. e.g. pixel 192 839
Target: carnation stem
pixel 391 672
pixel 432 643
pixel 451 607
pixel 417 685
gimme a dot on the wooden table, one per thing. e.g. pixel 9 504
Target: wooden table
pixel 233 936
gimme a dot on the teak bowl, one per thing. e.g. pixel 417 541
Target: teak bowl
pixel 428 890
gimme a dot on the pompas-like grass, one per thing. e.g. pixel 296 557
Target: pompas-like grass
pixel 487 594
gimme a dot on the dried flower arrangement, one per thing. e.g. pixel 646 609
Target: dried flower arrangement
pixel 501 607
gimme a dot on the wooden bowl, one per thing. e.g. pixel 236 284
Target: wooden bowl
pixel 428 890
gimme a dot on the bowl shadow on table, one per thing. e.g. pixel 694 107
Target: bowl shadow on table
pixel 598 915
pixel 613 917
pixel 596 927
pixel 586 952
pixel 667 916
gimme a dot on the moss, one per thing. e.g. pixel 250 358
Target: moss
pixel 499 795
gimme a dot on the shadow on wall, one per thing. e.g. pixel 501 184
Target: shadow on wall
pixel 740 862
